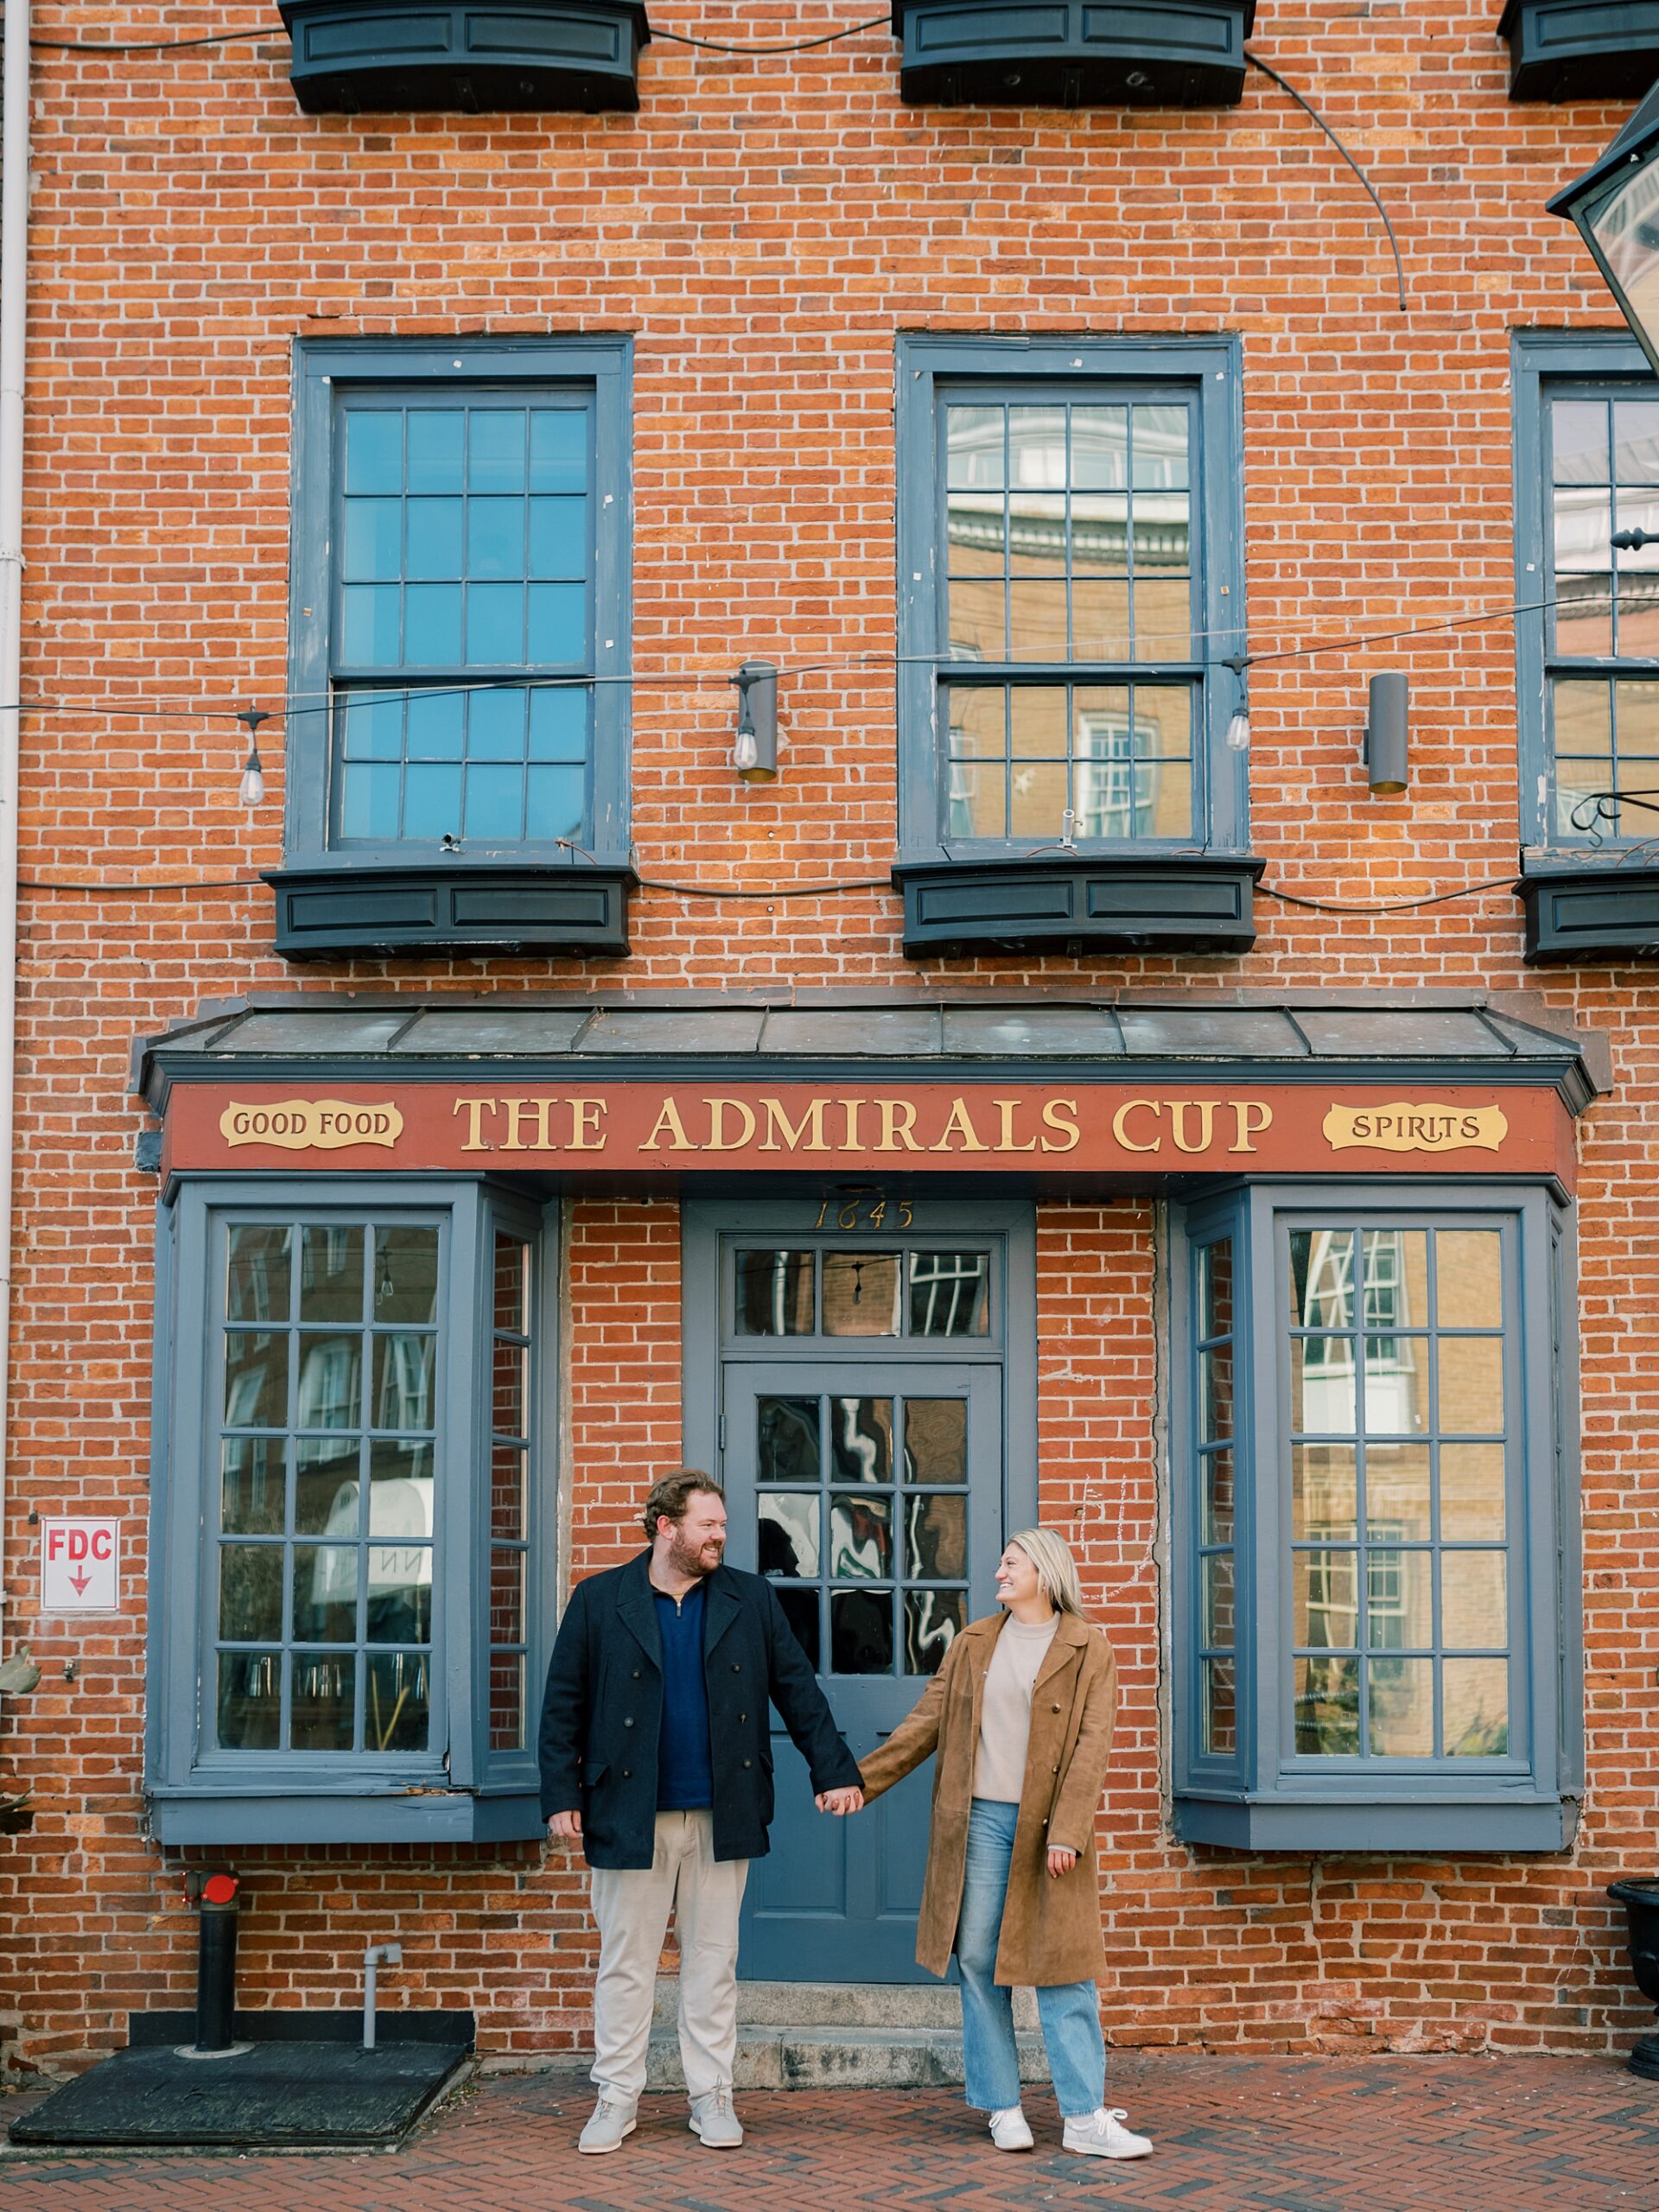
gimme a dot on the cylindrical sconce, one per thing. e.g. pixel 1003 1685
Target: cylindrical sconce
pixel 1387 735
pixel 754 752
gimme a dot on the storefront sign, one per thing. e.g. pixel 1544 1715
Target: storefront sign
pixel 648 1128
pixel 80 1567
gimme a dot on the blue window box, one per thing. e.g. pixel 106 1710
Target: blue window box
pixel 407 55
pixel 1073 53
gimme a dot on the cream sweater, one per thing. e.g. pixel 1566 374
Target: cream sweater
pixel 1005 1714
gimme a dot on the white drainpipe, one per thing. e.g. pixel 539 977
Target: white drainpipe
pixel 14 309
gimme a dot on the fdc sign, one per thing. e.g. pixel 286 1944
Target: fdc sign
pixel 80 1567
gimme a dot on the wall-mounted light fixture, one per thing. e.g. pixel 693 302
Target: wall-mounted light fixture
pixel 252 789
pixel 754 750
pixel 1615 205
pixel 1387 735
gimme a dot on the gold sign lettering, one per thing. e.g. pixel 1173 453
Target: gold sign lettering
pixel 311 1124
pixel 1402 1127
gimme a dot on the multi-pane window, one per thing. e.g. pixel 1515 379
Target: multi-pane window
pixel 1068 560
pixel 1603 629
pixel 863 1509
pixel 351 1587
pixel 328 1356
pixel 1216 1442
pixel 465 565
pixel 511 1411
pixel 1373 1593
pixel 862 1293
pixel 1399 1433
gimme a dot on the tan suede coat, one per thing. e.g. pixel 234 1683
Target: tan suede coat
pixel 1051 1925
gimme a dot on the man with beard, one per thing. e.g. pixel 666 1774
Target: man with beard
pixel 656 1758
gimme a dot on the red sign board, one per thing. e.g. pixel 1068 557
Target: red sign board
pixel 653 1129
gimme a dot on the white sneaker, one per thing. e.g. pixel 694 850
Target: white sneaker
pixel 1009 2131
pixel 1098 2135
pixel 713 2119
pixel 610 2126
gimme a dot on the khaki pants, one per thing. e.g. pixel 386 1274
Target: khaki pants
pixel 632 1908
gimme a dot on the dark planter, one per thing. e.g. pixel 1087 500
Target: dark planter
pixel 1641 1901
pixel 1582 49
pixel 355 56
pixel 1073 53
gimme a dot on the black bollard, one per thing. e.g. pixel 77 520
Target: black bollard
pixel 216 1964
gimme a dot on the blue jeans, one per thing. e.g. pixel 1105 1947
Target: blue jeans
pixel 1068 2012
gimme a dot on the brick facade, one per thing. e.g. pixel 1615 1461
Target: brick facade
pixel 765 227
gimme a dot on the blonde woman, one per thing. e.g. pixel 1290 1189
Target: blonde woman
pixel 1019 1720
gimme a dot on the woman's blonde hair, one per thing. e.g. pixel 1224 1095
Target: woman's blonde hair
pixel 1057 1571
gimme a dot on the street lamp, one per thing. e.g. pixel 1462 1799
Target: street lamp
pixel 1616 206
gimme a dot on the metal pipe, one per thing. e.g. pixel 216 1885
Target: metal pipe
pixel 391 1955
pixel 13 312
pixel 216 1976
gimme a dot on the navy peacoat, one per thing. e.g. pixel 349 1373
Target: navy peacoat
pixel 603 1711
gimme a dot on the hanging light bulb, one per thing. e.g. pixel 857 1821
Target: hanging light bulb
pixel 251 789
pixel 754 747
pixel 1238 728
pixel 745 752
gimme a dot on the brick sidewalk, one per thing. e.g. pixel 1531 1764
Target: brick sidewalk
pixel 1233 2135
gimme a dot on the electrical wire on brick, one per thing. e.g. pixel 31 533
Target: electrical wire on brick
pixel 270 31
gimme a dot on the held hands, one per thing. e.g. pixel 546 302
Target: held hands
pixel 1060 1861
pixel 565 1827
pixel 840 1801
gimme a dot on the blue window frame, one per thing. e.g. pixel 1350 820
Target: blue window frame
pixel 1070 590
pixel 348 1515
pixel 1373 1515
pixel 1586 474
pixel 459 627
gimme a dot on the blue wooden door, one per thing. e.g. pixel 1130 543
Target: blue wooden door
pixel 869 1491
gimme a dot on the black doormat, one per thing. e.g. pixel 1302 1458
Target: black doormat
pixel 274 2096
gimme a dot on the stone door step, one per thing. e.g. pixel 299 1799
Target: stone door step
pixel 804 2035
pixel 839 2058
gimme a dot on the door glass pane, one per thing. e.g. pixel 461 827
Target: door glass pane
pixel 861 1632
pixel 788 1536
pixel 774 1294
pixel 936 1440
pixel 1327 1708
pixel 933 1619
pixel 325 1697
pixel 950 1294
pixel 1402 1708
pixel 1475 1693
pixel 860 1440
pixel 786 1439
pixel 801 1612
pixel 860 1537
pixel 936 1539
pixel 861 1293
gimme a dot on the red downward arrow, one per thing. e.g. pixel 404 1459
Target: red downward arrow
pixel 80 1583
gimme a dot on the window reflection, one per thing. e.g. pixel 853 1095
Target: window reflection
pixel 861 1439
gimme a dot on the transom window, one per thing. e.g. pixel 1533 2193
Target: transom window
pixel 466 556
pixel 861 1294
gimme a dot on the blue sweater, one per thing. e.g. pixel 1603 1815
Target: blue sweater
pixel 684 1767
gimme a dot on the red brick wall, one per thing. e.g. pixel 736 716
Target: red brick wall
pixel 765 227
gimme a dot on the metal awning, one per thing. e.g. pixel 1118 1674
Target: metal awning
pixel 1428 1037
